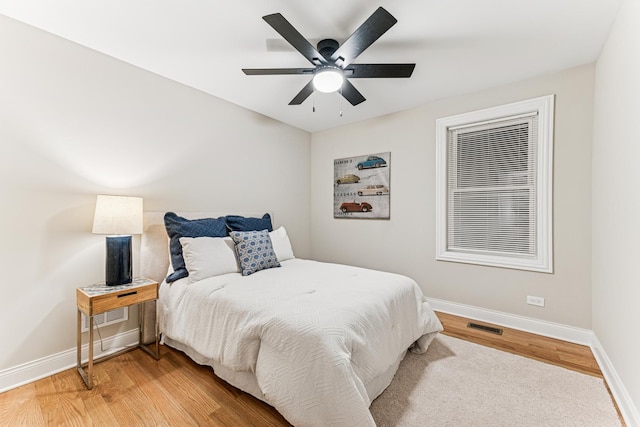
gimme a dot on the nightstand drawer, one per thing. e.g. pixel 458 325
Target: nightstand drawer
pixel 98 298
pixel 125 298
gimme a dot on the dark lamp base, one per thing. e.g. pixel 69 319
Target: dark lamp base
pixel 118 266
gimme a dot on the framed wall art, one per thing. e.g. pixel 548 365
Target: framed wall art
pixel 361 186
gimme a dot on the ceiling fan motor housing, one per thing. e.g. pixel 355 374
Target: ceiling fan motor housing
pixel 326 47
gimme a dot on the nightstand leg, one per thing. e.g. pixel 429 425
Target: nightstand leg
pixel 90 362
pixel 87 376
pixel 140 324
pixel 79 338
pixel 141 328
pixel 155 330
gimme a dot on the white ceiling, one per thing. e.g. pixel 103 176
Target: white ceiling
pixel 459 46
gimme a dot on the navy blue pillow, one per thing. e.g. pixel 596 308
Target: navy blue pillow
pixel 178 227
pixel 241 223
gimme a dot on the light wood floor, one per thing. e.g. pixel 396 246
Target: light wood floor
pixel 135 390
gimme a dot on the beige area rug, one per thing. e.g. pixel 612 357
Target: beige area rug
pixel 459 383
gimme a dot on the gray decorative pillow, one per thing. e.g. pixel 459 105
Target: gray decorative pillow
pixel 255 251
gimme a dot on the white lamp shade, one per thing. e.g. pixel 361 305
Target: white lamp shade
pixel 328 80
pixel 118 215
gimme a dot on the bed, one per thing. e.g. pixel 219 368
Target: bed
pixel 318 341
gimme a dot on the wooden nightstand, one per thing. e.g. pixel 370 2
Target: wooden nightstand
pixel 99 298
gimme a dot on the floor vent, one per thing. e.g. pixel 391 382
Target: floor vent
pixel 108 318
pixel 497 331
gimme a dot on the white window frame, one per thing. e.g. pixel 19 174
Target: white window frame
pixel 542 261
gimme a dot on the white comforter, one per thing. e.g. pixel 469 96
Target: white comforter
pixel 314 334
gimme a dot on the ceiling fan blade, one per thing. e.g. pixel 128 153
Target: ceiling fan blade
pixel 351 94
pixel 290 34
pixel 370 31
pixel 360 71
pixel 276 71
pixel 303 94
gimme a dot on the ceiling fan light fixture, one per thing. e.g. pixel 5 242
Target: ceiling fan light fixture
pixel 328 80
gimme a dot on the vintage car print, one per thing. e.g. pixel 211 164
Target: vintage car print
pixel 348 179
pixel 371 162
pixel 355 207
pixel 373 190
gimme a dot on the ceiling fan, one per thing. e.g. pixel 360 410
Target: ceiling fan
pixel 333 64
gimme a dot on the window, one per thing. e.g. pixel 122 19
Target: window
pixel 494 186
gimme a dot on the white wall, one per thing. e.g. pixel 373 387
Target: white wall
pixel 75 123
pixel 616 199
pixel 406 243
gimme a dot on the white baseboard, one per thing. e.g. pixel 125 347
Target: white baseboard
pixel 553 330
pixel 49 365
pixel 625 404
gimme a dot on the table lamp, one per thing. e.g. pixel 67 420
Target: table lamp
pixel 119 217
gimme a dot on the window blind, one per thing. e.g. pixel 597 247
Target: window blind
pixel 491 187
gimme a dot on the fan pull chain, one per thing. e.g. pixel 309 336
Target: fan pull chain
pixel 314 101
pixel 341 100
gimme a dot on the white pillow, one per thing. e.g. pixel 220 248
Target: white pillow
pixel 208 256
pixel 281 244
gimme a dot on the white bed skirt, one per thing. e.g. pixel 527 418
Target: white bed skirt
pixel 247 382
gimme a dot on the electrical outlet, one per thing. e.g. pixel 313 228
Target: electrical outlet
pixel 539 301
